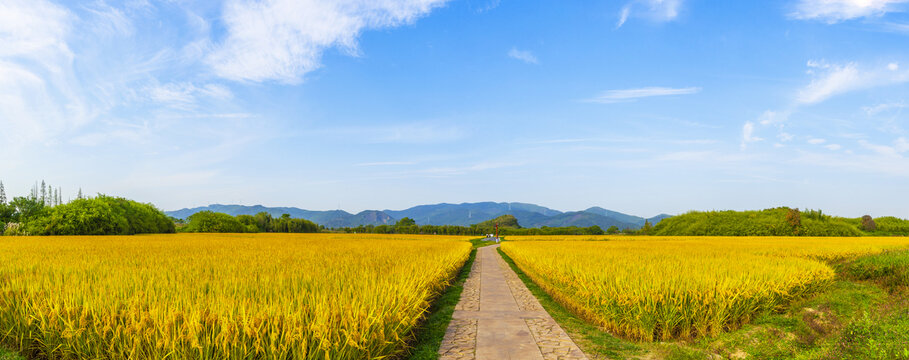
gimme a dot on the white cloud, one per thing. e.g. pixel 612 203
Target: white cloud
pixel 900 146
pixel 833 147
pixel 879 108
pixel 831 80
pixel 654 10
pixel 832 11
pixel 386 163
pixel 893 66
pixel 523 55
pixel 748 134
pixel 774 117
pixel 108 21
pixel 785 137
pixel 185 95
pixel 406 133
pixel 613 96
pixel 283 40
pixel 816 141
pixel 38 96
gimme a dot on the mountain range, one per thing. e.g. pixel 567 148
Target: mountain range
pixel 528 215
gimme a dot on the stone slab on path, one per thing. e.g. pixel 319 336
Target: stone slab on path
pixel 497 318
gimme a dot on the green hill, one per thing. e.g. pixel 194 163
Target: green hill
pixel 774 222
pixel 504 221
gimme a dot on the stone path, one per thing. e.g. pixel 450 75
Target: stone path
pixel 497 318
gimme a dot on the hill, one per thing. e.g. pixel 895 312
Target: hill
pixel 464 214
pixel 504 221
pixel 773 222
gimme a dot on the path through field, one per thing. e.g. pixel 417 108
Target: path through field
pixel 498 318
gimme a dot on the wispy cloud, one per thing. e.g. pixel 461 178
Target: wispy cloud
pixel 833 11
pixel 834 79
pixel 38 98
pixel 386 163
pixel 816 141
pixel 282 40
pixel 748 135
pixel 879 108
pixel 614 96
pixel 185 95
pixel 405 133
pixel 523 55
pixel 654 10
pixel 900 146
pixel 492 4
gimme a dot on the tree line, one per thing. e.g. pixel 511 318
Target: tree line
pixel 782 221
pixel 215 222
pixel 409 226
pixel 43 212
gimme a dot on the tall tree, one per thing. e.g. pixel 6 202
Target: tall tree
pixel 79 196
pixel 43 193
pixel 2 194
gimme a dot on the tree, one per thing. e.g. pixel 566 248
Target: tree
pixel 612 230
pixel 594 230
pixel 2 194
pixel 79 196
pixel 406 222
pixel 26 208
pixel 647 227
pixel 794 219
pixel 212 222
pixel 868 223
pixel 43 193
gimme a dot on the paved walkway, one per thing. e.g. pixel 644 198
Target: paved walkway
pixel 497 318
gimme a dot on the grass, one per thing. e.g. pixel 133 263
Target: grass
pixel 890 269
pixel 478 243
pixel 9 355
pixel 429 335
pixel 595 342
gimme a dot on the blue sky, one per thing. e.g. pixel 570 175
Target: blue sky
pixel 640 106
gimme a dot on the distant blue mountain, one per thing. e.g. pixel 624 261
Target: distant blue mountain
pixel 464 214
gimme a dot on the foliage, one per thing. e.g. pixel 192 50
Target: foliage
pixel 476 229
pixel 891 268
pixel 215 222
pixel 101 215
pixel 868 223
pixel 663 288
pixel 202 296
pixel 770 222
pixel 43 212
pixel 889 225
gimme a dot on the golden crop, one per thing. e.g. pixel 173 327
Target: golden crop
pixel 652 288
pixel 208 296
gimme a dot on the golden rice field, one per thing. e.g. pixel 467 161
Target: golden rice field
pixel 208 296
pixel 659 288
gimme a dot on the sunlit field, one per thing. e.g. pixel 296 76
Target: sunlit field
pixel 659 288
pixel 214 296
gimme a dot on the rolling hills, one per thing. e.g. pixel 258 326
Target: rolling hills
pixel 529 215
